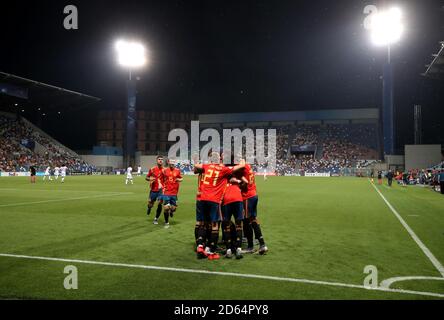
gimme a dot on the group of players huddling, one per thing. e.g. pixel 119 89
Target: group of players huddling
pixel 223 193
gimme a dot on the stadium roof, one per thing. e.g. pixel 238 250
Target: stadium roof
pixel 42 94
pixel 435 69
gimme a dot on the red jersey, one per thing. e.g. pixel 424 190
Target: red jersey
pixel 251 186
pixel 214 182
pixel 171 186
pixel 199 183
pixel 156 173
pixel 232 194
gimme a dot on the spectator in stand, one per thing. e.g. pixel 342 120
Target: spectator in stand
pixel 15 157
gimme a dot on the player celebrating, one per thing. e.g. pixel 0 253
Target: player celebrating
pixel 47 174
pixel 214 182
pixel 200 223
pixel 251 223
pixel 129 175
pixel 154 178
pixel 171 178
pixel 56 172
pixel 233 206
pixel 63 173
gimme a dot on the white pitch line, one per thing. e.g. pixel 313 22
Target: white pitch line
pixel 388 282
pixel 418 241
pixel 231 274
pixel 62 199
pixel 59 190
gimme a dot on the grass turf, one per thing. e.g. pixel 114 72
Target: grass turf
pixel 324 229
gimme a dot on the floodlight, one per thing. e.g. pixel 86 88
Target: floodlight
pixel 130 54
pixel 386 27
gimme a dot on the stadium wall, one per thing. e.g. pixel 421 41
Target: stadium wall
pixel 358 114
pixel 116 162
pixel 394 162
pixel 422 156
pixel 104 161
pixel 145 162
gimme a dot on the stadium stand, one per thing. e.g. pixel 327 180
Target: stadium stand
pixel 435 70
pixel 326 148
pixel 325 141
pixel 330 148
pixel 22 145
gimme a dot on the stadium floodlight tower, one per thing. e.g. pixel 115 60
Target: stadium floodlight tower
pixel 131 55
pixel 386 29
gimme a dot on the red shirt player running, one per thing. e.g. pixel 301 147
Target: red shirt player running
pixel 154 177
pixel 171 177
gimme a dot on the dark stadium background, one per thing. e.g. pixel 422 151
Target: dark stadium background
pixel 226 56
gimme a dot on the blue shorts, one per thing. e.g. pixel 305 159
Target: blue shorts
pixel 208 211
pixel 156 195
pixel 235 209
pixel 169 200
pixel 250 207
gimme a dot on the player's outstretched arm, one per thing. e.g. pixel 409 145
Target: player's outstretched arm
pixel 239 166
pixel 196 170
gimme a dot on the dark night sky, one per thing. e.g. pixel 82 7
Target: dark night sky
pixel 230 56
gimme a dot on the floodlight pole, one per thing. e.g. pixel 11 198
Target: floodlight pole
pixel 388 53
pixel 387 105
pixel 130 145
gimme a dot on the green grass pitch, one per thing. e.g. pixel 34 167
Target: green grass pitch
pixel 324 230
